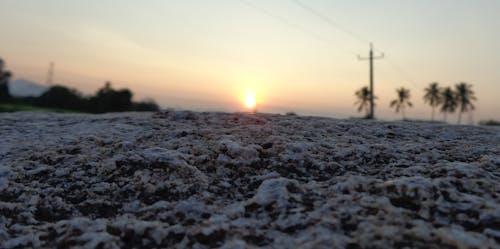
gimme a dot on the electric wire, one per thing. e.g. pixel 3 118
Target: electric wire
pixel 284 21
pixel 295 26
pixel 338 27
pixel 403 74
pixel 329 21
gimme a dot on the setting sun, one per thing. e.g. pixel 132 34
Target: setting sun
pixel 250 101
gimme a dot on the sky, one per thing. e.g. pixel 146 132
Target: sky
pixel 208 55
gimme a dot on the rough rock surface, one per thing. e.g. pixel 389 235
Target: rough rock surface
pixel 214 180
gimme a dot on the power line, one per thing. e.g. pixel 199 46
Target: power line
pixel 402 73
pixel 334 25
pixel 292 25
pixel 399 70
pixel 338 27
pixel 329 21
pixel 283 20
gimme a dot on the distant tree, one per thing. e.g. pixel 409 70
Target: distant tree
pixel 449 101
pixel 490 122
pixel 148 105
pixel 402 101
pixel 109 100
pixel 4 83
pixel 433 96
pixel 106 99
pixel 62 97
pixel 363 102
pixel 464 97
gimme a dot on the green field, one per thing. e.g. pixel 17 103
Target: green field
pixel 8 107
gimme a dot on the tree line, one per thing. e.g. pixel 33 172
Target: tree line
pixel 447 99
pixel 106 99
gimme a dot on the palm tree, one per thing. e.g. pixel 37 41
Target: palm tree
pixel 402 101
pixel 449 101
pixel 464 98
pixel 363 102
pixel 433 96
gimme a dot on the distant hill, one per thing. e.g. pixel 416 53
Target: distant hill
pixel 26 88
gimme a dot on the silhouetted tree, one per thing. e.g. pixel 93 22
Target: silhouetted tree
pixel 449 101
pixel 464 97
pixel 4 83
pixel 62 97
pixel 109 100
pixel 490 122
pixel 433 96
pixel 145 106
pixel 363 102
pixel 402 101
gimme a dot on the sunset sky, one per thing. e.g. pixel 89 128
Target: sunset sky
pixel 207 55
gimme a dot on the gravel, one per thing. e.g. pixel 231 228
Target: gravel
pixel 178 179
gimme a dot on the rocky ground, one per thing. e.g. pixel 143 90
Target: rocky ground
pixel 216 180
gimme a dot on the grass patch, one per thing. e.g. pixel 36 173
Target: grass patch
pixel 8 107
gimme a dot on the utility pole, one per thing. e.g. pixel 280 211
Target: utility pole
pixel 371 58
pixel 50 74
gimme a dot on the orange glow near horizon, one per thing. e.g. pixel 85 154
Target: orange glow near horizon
pixel 244 61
